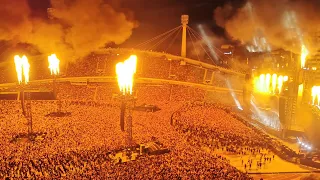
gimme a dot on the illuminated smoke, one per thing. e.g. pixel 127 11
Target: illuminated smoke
pixel 269 118
pixel 75 28
pixel 283 24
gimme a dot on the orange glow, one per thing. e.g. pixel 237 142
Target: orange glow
pixel 315 93
pixel 256 84
pixel 267 84
pixel 300 90
pixel 274 83
pixel 304 54
pixel 280 83
pixel 262 83
pixel 22 66
pixel 125 74
pixel 54 64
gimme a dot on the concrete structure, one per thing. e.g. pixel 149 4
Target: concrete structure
pixel 184 22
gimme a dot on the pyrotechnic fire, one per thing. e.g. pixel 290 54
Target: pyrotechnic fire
pixel 266 83
pixel 54 64
pixel 315 93
pixel 18 63
pixel 304 54
pixel 274 83
pixel 300 90
pixel 280 83
pixel 22 65
pixel 262 83
pixel 125 74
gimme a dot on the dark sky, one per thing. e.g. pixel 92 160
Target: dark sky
pixel 157 16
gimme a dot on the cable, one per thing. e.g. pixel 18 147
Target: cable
pixel 202 46
pixel 162 40
pixel 193 44
pixel 212 46
pixel 173 40
pixel 201 39
pixel 154 38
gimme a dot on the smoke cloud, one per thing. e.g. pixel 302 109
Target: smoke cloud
pixel 73 28
pixel 272 24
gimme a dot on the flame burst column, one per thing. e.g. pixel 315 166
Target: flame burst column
pixel 303 75
pixel 125 75
pixel 23 70
pixel 54 63
pixel 54 66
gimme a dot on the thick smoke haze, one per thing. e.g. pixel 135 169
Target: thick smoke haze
pixel 73 28
pixel 272 24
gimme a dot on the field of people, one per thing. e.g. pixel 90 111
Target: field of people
pixel 78 145
pixel 200 139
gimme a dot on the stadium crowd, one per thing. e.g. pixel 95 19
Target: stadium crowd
pixel 78 146
pixel 216 127
pixel 148 66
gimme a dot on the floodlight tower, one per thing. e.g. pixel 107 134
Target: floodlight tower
pixel 184 22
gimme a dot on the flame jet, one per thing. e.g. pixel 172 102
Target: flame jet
pixel 125 74
pixel 280 83
pixel 54 64
pixel 22 67
pixel 268 81
pixel 274 83
pixel 304 54
pixel 269 84
pixel 315 93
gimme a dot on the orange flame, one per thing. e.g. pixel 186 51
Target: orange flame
pixel 280 83
pixel 300 90
pixel 268 82
pixel 315 93
pixel 22 65
pixel 265 83
pixel 274 83
pixel 54 64
pixel 125 74
pixel 304 54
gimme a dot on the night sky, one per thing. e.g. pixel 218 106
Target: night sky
pixel 158 16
